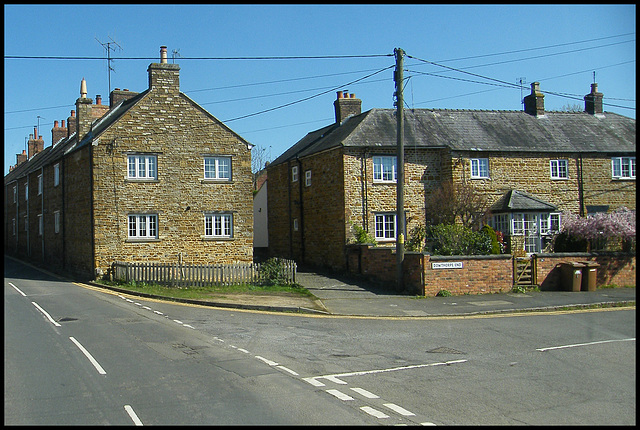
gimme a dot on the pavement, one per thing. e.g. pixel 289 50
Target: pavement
pixel 343 295
pixel 340 295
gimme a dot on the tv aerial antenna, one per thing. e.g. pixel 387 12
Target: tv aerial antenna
pixel 107 46
pixel 521 81
pixel 175 53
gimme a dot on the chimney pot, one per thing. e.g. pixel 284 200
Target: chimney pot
pixel 62 124
pixel 339 93
pixel 83 89
pixel 55 124
pixel 352 96
pixel 24 152
pixel 98 99
pixel 163 54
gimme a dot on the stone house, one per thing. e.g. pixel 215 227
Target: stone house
pixel 153 177
pixel 532 165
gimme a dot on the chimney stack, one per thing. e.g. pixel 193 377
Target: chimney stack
pixel 534 102
pixel 71 123
pixel 21 158
pixel 593 101
pixel 98 109
pixel 163 76
pixel 83 110
pixel 58 132
pixel 119 95
pixel 34 144
pixel 346 105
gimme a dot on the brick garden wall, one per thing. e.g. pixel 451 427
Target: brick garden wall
pixel 479 274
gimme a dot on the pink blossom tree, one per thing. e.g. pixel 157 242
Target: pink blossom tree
pixel 620 224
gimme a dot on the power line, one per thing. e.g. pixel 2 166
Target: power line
pixel 292 57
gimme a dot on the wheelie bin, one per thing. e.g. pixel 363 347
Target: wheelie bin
pixel 589 275
pixel 572 276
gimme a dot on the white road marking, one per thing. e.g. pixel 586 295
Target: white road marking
pixel 46 315
pixel 269 362
pixel 335 380
pixel 398 409
pixel 314 382
pixel 584 344
pixel 91 359
pixel 339 394
pixel 365 393
pixel 334 377
pixel 376 413
pixel 158 312
pixel 243 350
pixel 287 370
pixel 17 289
pixel 179 322
pixel 187 325
pixel 133 415
pixel 146 307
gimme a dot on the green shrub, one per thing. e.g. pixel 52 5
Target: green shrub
pixel 495 245
pixel 362 236
pixel 272 273
pixel 417 235
pixel 455 239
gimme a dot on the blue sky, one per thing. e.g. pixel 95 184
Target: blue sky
pixel 485 51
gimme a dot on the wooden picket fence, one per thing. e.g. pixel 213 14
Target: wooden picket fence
pixel 198 275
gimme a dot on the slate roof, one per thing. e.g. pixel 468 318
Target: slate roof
pixel 475 130
pixel 515 200
pixel 70 144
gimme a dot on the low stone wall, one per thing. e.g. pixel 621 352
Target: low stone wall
pixel 479 274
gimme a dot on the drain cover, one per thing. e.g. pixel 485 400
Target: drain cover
pixel 445 350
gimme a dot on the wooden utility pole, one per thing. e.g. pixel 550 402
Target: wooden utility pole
pixel 399 170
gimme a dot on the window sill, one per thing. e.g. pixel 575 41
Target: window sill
pixel 142 240
pixel 138 181
pixel 622 178
pixel 216 181
pixel 385 182
pixel 216 239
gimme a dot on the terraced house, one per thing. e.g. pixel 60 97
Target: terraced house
pixel 153 177
pixel 533 166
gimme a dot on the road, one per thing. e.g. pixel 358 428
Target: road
pixel 75 354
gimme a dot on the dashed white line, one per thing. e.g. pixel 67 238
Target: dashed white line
pixel 584 344
pixel 376 413
pixel 178 321
pixel 91 359
pixel 269 362
pixel 399 409
pixel 243 350
pixel 339 394
pixel 133 415
pixel 46 315
pixel 287 370
pixel 365 393
pixel 17 289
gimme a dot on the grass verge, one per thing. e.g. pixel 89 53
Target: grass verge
pixel 212 292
